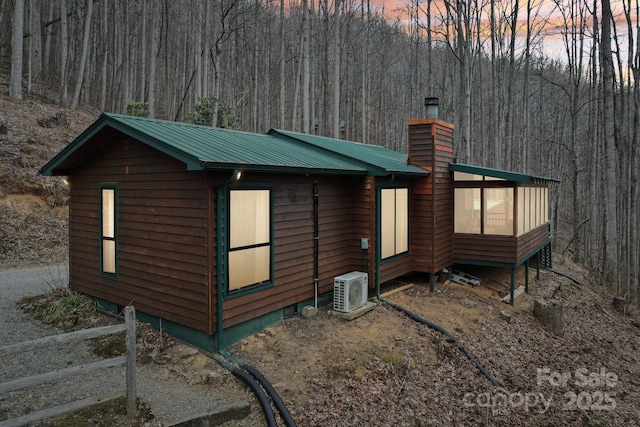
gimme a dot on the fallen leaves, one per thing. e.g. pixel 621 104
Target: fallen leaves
pixel 413 376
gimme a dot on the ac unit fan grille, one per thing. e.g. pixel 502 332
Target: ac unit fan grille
pixel 350 291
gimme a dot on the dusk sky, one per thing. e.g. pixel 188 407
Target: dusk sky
pixel 550 20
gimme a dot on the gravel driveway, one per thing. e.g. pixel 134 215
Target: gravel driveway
pixel 170 400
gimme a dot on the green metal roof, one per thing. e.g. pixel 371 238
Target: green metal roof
pixel 497 173
pixel 380 160
pixel 204 147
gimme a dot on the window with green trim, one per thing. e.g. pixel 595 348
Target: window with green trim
pixel 394 221
pixel 249 249
pixel 108 236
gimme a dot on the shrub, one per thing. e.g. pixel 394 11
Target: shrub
pixel 203 115
pixel 135 108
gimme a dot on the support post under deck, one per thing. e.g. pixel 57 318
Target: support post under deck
pixel 513 285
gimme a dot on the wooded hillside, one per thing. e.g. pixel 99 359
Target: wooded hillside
pixel 350 68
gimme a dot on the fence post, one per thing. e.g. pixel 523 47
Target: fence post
pixel 130 339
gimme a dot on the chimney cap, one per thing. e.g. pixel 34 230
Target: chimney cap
pixel 431 107
pixel 431 101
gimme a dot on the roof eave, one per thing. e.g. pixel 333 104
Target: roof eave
pixel 247 167
pixel 53 167
pixel 498 173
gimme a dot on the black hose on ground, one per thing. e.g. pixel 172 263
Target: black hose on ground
pixel 560 273
pixel 444 332
pixel 269 416
pixel 275 397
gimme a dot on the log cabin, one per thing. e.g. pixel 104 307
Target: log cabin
pixel 215 234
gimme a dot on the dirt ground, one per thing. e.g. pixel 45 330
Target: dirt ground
pixel 385 369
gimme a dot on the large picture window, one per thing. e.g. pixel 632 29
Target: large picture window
pixel 249 254
pixel 108 230
pixel 394 221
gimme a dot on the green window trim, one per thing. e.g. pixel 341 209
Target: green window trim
pixel 109 231
pixel 248 240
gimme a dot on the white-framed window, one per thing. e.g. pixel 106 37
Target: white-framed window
pixel 394 221
pixel 249 238
pixel 108 229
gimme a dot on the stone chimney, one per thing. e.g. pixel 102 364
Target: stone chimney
pixel 431 148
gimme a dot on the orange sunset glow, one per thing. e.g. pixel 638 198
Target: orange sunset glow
pixel 550 20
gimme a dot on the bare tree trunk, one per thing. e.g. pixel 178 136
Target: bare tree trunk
pixel 365 71
pixel 510 159
pixel 336 71
pixel 635 167
pixel 609 143
pixel 295 123
pixel 144 52
pixel 15 86
pixel 256 46
pixel 47 39
pixel 632 214
pixel 155 39
pixel 105 56
pixel 306 71
pixel 282 67
pixel 64 51
pixel 215 102
pixel 527 68
pixel 83 58
pixel 430 85
pixel 463 29
pixel 35 44
pixel 493 105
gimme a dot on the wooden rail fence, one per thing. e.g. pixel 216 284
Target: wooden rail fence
pixel 57 340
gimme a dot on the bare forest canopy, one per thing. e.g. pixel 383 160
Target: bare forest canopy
pixel 344 68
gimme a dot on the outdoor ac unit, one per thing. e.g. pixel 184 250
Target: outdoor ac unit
pixel 350 291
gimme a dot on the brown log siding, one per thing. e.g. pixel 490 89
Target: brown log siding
pixel 443 199
pixel 342 215
pixel 529 242
pixel 499 249
pixel 162 220
pixel 431 147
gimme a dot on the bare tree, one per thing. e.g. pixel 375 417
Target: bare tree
pixel 15 85
pixel 609 144
pixel 64 52
pixel 83 58
pixel 105 56
pixel 155 41
pixel 336 70
pixel 35 44
pixel 221 32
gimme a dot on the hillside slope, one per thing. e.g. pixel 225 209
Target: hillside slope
pixel 384 369
pixel 33 208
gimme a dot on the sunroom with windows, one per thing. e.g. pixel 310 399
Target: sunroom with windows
pixel 501 218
